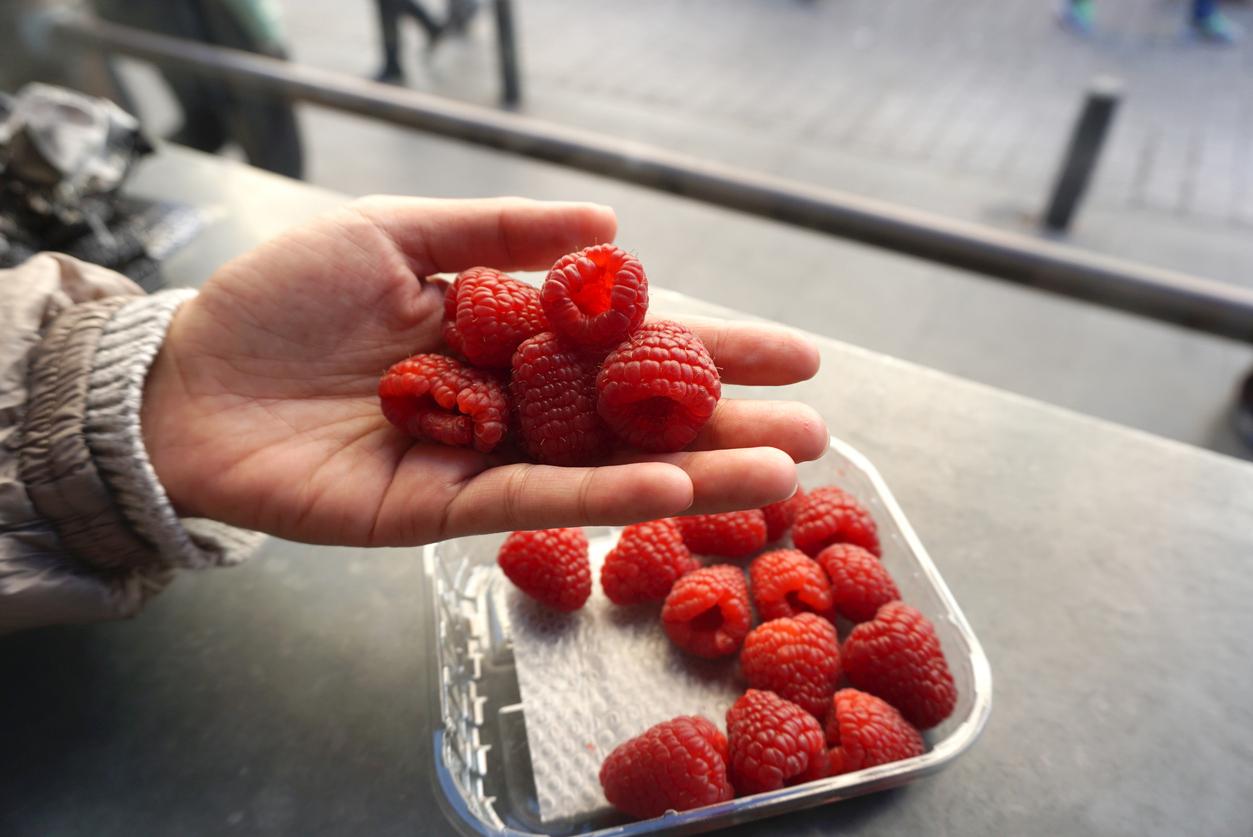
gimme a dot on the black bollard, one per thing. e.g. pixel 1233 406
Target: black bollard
pixel 1086 142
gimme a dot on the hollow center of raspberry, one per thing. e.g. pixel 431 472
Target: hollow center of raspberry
pixel 654 411
pixel 795 602
pixel 595 294
pixel 711 620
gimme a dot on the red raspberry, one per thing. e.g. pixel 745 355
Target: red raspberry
pixel 860 584
pixel 865 731
pixel 554 392
pixel 730 534
pixel 549 565
pixel 596 298
pixel 452 337
pixel 897 656
pixel 797 658
pixel 494 314
pixel 438 399
pixel 676 765
pixel 707 612
pixel 773 743
pixel 657 390
pixel 779 516
pixel 647 561
pixel 831 515
pixel 787 583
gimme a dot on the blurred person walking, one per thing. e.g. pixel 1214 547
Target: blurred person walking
pixel 390 13
pixel 1204 20
pixel 216 111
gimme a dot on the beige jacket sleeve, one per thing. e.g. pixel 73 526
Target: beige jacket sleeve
pixel 86 531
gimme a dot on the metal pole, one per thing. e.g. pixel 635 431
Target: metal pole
pixel 510 82
pixel 1083 153
pixel 1202 304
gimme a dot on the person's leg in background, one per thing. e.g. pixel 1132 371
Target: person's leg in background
pixel 1077 16
pixel 389 31
pixel 1208 22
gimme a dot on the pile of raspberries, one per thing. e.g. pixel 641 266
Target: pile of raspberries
pixel 569 371
pixel 813 707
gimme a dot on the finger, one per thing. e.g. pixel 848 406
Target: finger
pixel 727 480
pixel 447 236
pixel 515 497
pixel 756 353
pixel 794 428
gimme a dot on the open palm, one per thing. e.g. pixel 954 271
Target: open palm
pixel 261 408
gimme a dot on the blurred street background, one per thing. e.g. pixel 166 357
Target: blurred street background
pixel 963 109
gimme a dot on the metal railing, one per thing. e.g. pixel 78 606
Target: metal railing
pixel 1201 304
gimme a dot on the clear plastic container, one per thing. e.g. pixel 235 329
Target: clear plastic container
pixel 481 751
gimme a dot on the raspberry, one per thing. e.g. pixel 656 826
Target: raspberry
pixel 452 337
pixel 554 392
pixel 897 656
pixel 773 743
pixel 676 765
pixel 494 314
pixel 657 390
pixel 707 612
pixel 797 658
pixel 730 534
pixel 779 516
pixel 787 583
pixel 596 298
pixel 831 515
pixel 860 584
pixel 438 399
pixel 647 561
pixel 549 565
pixel 865 731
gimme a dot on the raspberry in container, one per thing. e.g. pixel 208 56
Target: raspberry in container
pixel 531 701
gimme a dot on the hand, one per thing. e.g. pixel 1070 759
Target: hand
pixel 261 408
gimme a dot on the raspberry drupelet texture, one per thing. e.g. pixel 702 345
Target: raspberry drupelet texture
pixel 831 515
pixel 797 658
pixel 494 314
pixel 549 565
pixel 647 560
pixel 452 337
pixel 438 399
pixel 707 612
pixel 657 390
pixel 596 298
pixel 860 584
pixel 865 731
pixel 779 516
pixel 678 765
pixel 554 396
pixel 728 534
pixel 897 656
pixel 773 744
pixel 787 582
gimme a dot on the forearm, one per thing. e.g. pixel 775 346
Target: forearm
pixel 86 531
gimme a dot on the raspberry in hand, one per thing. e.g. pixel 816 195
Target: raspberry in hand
pixel 438 399
pixel 554 393
pixel 657 390
pixel 494 313
pixel 596 298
